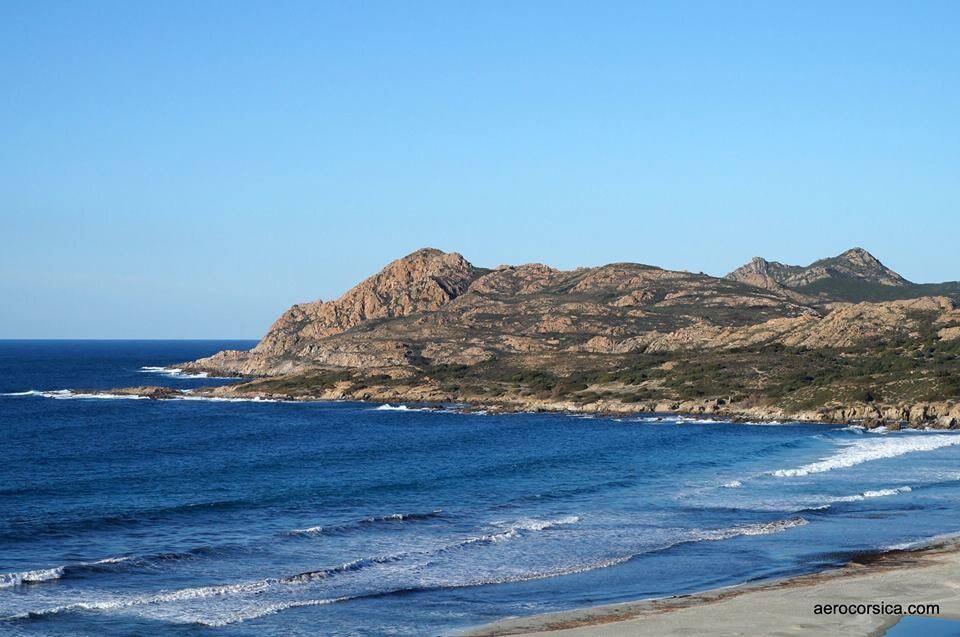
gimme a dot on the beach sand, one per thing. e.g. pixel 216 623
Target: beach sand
pixel 783 607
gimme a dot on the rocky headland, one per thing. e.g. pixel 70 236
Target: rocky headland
pixel 844 339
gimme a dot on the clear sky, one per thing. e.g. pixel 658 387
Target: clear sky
pixel 190 169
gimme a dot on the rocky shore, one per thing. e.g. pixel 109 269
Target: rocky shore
pixel 927 415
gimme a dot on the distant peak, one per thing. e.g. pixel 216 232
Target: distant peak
pixel 859 255
pixel 424 252
pixel 853 264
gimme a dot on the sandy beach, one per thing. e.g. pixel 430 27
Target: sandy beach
pixel 783 607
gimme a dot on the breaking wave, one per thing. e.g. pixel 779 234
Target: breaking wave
pixel 65 394
pixel 761 528
pixel 348 526
pixel 38 576
pixel 256 588
pixel 859 451
pixel 389 407
pixel 878 493
pixel 69 394
pixel 172 372
pixel 512 531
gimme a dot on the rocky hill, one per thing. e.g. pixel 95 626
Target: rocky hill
pixel 432 326
pixel 855 275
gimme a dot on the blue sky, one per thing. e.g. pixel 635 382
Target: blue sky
pixel 183 169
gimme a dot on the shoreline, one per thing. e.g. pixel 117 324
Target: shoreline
pixel 929 574
pixel 889 417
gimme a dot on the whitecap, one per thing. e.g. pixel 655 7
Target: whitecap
pixel 30 577
pixel 763 528
pixel 267 609
pixel 175 372
pixel 254 603
pixel 343 526
pixel 389 407
pixel 225 399
pixel 878 493
pixel 859 451
pixel 37 576
pixel 510 531
pixel 69 394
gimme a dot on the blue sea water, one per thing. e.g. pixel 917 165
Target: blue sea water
pixel 196 517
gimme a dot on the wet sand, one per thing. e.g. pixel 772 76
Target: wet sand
pixel 783 607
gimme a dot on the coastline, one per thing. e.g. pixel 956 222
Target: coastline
pixel 940 415
pixel 926 575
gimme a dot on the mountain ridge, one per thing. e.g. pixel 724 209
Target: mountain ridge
pixel 853 264
pixel 432 326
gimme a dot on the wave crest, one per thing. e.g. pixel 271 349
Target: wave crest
pixel 857 452
pixel 41 575
pixel 373 520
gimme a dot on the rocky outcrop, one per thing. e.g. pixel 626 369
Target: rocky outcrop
pixel 949 333
pixel 423 281
pixel 845 325
pixel 419 282
pixel 769 275
pixel 144 391
pixel 436 308
pixel 855 264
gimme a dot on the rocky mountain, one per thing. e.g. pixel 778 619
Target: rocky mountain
pixel 853 276
pixel 435 307
pixel 853 265
pixel 432 326
pixel 420 282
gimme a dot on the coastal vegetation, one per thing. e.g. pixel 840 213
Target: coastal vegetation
pixel 844 338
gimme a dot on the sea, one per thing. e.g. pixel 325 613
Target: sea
pixel 124 516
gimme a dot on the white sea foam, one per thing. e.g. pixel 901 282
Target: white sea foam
pixel 173 372
pixel 859 451
pixel 251 600
pixel 267 609
pixel 310 530
pixel 763 528
pixel 393 517
pixel 119 603
pixel 30 577
pixel 389 407
pixel 878 493
pixel 509 531
pixel 224 399
pixel 257 587
pixel 513 530
pixel 733 484
pixel 885 492
pixel 177 372
pixel 699 421
pixel 36 576
pixel 67 394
